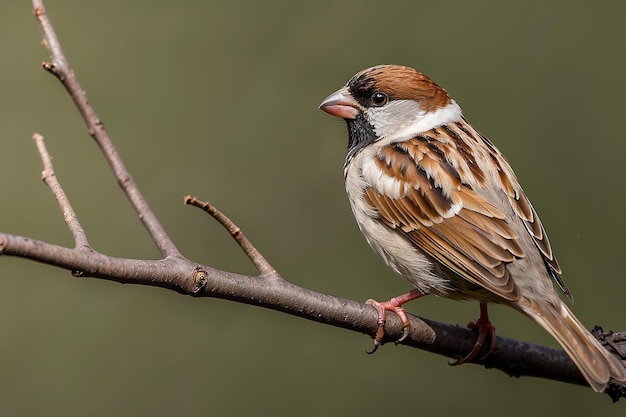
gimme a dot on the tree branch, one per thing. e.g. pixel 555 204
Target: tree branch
pixel 251 252
pixel 513 357
pixel 49 177
pixel 59 67
pixel 268 290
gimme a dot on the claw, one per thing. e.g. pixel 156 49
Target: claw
pixel 485 328
pixel 406 326
pixel 380 330
pixel 374 347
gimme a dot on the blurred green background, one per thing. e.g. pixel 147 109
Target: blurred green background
pixel 219 99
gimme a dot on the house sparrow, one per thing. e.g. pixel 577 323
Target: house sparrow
pixel 442 207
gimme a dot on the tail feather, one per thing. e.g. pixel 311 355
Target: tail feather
pixel 596 363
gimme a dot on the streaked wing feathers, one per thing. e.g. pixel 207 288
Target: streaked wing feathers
pixel 416 190
pixel 524 209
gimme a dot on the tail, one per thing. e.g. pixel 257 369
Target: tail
pixel 596 363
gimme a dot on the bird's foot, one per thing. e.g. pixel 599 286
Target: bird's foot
pixel 395 305
pixel 485 328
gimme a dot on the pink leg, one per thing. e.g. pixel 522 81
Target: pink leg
pixel 485 328
pixel 395 305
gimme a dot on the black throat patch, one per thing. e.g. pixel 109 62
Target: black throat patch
pixel 360 134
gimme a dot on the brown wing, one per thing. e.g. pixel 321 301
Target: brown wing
pixel 414 188
pixel 525 211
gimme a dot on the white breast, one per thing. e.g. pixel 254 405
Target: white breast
pixel 397 252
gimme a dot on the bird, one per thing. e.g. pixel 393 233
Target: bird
pixel 442 207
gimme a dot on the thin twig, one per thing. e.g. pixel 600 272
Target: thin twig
pixel 50 42
pixel 69 215
pixel 60 68
pixel 261 264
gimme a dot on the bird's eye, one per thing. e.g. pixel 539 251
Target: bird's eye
pixel 379 99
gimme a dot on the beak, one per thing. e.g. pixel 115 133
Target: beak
pixel 341 104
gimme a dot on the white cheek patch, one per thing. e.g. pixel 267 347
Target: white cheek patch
pixel 393 116
pixel 402 119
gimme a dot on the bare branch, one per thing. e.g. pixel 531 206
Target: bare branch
pixel 513 357
pixel 246 246
pixel 60 68
pixel 69 215
pixel 50 40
